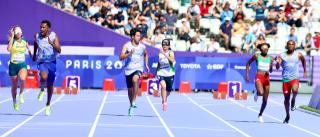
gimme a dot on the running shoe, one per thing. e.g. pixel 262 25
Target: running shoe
pixel 40 96
pixel 260 119
pixel 47 111
pixel 21 99
pixel 134 105
pixel 164 106
pixel 286 121
pixel 15 106
pixel 130 111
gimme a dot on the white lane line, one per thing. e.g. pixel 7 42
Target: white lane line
pixel 216 116
pixel 8 99
pixel 160 118
pixel 94 125
pixel 30 118
pixel 276 119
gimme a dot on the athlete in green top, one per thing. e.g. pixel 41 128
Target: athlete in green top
pixel 262 80
pixel 17 68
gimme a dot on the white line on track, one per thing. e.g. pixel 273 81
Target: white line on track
pixel 30 118
pixel 274 118
pixel 216 116
pixel 94 125
pixel 160 118
pixel 8 99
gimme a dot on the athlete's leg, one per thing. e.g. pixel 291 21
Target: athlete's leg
pixel 22 76
pixel 135 82
pixel 259 88
pixel 163 90
pixel 295 87
pixel 264 99
pixel 286 87
pixel 14 86
pixel 43 81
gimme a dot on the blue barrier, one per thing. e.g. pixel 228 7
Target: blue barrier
pixel 202 72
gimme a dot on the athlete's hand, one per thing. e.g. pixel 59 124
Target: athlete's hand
pixel 278 59
pixel 11 33
pixel 247 78
pixel 148 69
pixel 132 51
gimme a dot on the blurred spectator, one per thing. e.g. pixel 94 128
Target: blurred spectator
pixel 261 39
pixel 274 6
pixel 225 32
pixel 227 12
pixel 80 5
pixel 294 19
pixel 213 45
pixel 260 8
pixel 171 18
pixel 195 45
pixel 292 35
pixel 143 27
pixel 119 22
pixel 271 28
pixel 146 10
pixel 238 31
pixel 95 7
pixel 250 3
pixel 273 11
pixel 204 8
pixel 308 44
pixel 109 22
pixel 130 25
pixel 194 13
pixel 157 38
pixel 258 28
pixel 184 30
pixel 249 40
pixel 316 39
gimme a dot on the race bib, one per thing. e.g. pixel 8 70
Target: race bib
pixel 19 57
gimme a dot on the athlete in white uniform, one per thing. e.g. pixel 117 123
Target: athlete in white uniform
pixel 136 55
pixel 166 71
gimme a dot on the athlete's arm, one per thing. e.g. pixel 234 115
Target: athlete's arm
pixel 146 59
pixel 171 57
pixel 29 51
pixel 10 40
pixel 124 53
pixel 279 61
pixel 271 63
pixel 303 61
pixel 55 44
pixel 35 48
pixel 253 58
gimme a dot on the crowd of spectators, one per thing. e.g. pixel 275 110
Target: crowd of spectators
pixel 207 25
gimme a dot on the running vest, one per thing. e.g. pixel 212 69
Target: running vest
pixel 17 53
pixel 46 52
pixel 263 64
pixel 290 66
pixel 165 69
pixel 136 60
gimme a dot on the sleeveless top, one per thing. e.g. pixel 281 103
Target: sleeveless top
pixel 17 53
pixel 165 69
pixel 263 63
pixel 136 60
pixel 46 52
pixel 290 66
